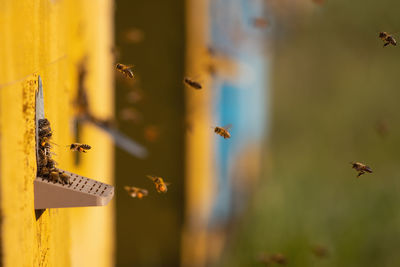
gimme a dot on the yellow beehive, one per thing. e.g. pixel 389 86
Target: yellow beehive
pixel 52 39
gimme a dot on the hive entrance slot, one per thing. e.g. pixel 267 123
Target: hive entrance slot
pixel 78 192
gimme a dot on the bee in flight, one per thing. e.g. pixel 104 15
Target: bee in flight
pixel 79 147
pixel 320 251
pixel 387 39
pixel 161 186
pixel 273 258
pixel 223 131
pixel 136 192
pixel 361 168
pixel 126 70
pixel 260 22
pixel 278 258
pixel 192 83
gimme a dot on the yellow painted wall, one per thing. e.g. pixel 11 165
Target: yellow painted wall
pixel 52 38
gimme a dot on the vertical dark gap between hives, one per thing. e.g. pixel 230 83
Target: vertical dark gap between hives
pixel 158 59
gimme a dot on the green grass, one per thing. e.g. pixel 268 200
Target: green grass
pixel 333 82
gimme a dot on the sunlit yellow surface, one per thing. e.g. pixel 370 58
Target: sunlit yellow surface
pixel 200 184
pixel 51 38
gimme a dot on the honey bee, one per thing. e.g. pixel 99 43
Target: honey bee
pixel 136 192
pixel 320 251
pixel 387 39
pixel 361 168
pixel 54 176
pixel 126 70
pixel 51 164
pixel 192 83
pixel 45 141
pixel 42 158
pixel 161 186
pixel 223 131
pixel 46 165
pixel 44 128
pixel 133 35
pixel 260 23
pixel 43 123
pixel 274 258
pixel 382 128
pixel 151 133
pixel 278 258
pixel 79 147
pixel 134 96
pixel 130 114
pixel 45 133
pixel 43 172
pixel 319 2
pixel 65 178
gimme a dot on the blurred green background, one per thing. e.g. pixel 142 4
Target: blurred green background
pixel 333 85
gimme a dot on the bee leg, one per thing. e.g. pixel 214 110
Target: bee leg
pixel 386 44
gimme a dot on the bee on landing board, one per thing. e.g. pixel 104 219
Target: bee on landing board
pixel 126 70
pixel 55 177
pixel 360 168
pixel 65 178
pixel 79 147
pixel 223 131
pixel 44 128
pixel 192 83
pixel 161 186
pixel 387 39
pixel 136 192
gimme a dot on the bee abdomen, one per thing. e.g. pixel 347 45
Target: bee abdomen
pixel 130 73
pixel 84 146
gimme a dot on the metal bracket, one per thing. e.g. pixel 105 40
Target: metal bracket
pixel 81 192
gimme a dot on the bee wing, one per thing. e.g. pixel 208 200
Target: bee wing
pixel 227 127
pixel 53 143
pixel 145 192
pixel 368 169
pixel 151 177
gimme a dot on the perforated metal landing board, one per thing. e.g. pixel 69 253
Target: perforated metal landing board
pixel 81 192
